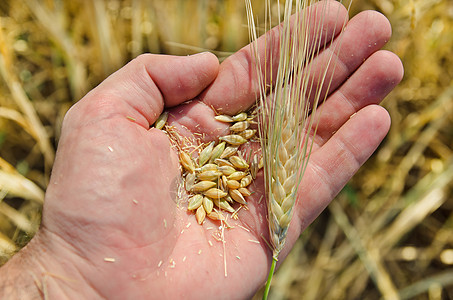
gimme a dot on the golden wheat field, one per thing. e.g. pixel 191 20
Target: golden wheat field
pixel 389 232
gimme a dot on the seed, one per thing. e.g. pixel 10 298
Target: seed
pixel 217 151
pixel 290 183
pixel 227 170
pixel 207 167
pixel 190 181
pixel 238 175
pixel 223 183
pixel 228 198
pixel 202 186
pixel 207 204
pixel 216 216
pixel 233 184
pixel 240 117
pixel 230 150
pixel 205 155
pixel 238 197
pixel 246 181
pixel 195 202
pixel 233 139
pixel 248 134
pixel 215 193
pixel 161 120
pixel 254 166
pixel 223 204
pixel 200 215
pixel 251 120
pixel 186 162
pixel 238 162
pixel 223 162
pixel 239 126
pixel 224 118
pixel 209 175
pixel 261 163
pixel 244 191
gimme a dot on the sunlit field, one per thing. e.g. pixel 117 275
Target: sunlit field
pixel 388 233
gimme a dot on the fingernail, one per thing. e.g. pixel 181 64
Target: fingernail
pixel 201 53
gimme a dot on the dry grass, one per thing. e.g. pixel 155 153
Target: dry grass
pixel 390 232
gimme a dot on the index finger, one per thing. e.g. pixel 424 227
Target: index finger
pixel 236 87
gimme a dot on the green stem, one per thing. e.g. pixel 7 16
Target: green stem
pixel 269 278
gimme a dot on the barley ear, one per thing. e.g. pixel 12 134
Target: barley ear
pixel 287 107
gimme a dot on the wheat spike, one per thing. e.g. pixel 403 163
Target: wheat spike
pixel 287 107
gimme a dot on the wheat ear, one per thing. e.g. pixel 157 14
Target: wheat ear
pixel 288 107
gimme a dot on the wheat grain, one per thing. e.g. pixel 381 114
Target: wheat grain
pixel 233 184
pixel 227 170
pixel 223 162
pixel 205 155
pixel 248 133
pixel 195 202
pixel 186 161
pixel 161 120
pixel 233 139
pixel 223 204
pixel 215 193
pixel 239 162
pixel 224 118
pixel 217 151
pixel 200 215
pixel 238 175
pixel 245 182
pixel 208 167
pixel 230 150
pixel 239 126
pixel 216 216
pixel 209 175
pixel 208 204
pixel 244 191
pixel 238 197
pixel 202 186
pixel 240 117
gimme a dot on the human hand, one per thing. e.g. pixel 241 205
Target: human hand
pixel 113 188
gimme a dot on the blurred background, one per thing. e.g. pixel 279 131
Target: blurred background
pixel 389 234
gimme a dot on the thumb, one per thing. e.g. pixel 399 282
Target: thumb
pixel 142 88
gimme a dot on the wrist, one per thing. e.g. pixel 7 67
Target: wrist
pixel 43 269
pixel 18 278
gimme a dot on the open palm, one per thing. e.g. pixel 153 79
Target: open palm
pixel 112 225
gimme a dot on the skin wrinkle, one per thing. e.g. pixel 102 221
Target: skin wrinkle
pixel 150 90
pixel 208 125
pixel 358 99
pixel 75 267
pixel 185 90
pixel 96 111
